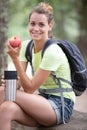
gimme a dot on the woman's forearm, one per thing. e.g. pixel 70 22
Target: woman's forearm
pixel 24 79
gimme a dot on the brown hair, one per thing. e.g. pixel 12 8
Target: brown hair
pixel 44 8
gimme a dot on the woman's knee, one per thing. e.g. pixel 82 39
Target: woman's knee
pixel 7 109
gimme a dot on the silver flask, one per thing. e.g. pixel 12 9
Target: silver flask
pixel 11 83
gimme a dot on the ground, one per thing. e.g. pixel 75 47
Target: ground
pixel 81 102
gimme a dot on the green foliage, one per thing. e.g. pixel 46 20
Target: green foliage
pixel 18 20
pixel 66 24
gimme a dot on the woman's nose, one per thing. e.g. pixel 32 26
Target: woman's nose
pixel 36 27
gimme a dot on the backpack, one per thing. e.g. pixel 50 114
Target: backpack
pixel 77 66
pixel 76 61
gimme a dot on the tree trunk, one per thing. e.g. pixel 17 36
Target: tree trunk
pixel 82 40
pixel 3 34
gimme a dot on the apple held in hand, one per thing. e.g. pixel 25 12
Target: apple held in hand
pixel 15 41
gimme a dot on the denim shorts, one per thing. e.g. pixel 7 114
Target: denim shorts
pixel 55 102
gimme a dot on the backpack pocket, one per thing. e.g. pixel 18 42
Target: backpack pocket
pixel 80 82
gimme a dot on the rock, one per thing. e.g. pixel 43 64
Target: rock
pixel 78 122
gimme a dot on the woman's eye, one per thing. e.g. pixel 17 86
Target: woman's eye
pixel 41 24
pixel 33 24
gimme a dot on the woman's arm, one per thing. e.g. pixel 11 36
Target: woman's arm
pixel 29 85
pixel 24 65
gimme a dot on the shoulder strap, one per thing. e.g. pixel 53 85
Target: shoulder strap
pixel 47 44
pixel 56 79
pixel 28 54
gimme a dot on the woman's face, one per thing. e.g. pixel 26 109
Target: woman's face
pixel 39 27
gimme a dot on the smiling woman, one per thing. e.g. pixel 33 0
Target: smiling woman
pixel 30 108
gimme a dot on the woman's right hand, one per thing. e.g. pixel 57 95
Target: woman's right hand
pixel 3 82
pixel 13 52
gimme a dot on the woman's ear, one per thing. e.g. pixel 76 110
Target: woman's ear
pixel 51 24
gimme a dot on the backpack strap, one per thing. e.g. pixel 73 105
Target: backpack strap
pixel 56 90
pixel 47 44
pixel 56 79
pixel 28 54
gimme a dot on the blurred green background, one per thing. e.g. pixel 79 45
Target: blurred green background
pixel 70 23
pixel 65 13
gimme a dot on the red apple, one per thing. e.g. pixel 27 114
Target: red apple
pixel 15 41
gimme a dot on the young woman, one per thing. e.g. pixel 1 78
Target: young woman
pixel 30 108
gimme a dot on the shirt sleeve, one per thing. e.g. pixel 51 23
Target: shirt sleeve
pixel 23 50
pixel 52 58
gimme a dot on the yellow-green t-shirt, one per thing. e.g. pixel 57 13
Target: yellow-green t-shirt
pixel 54 59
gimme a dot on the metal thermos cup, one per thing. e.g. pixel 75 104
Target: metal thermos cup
pixel 11 83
